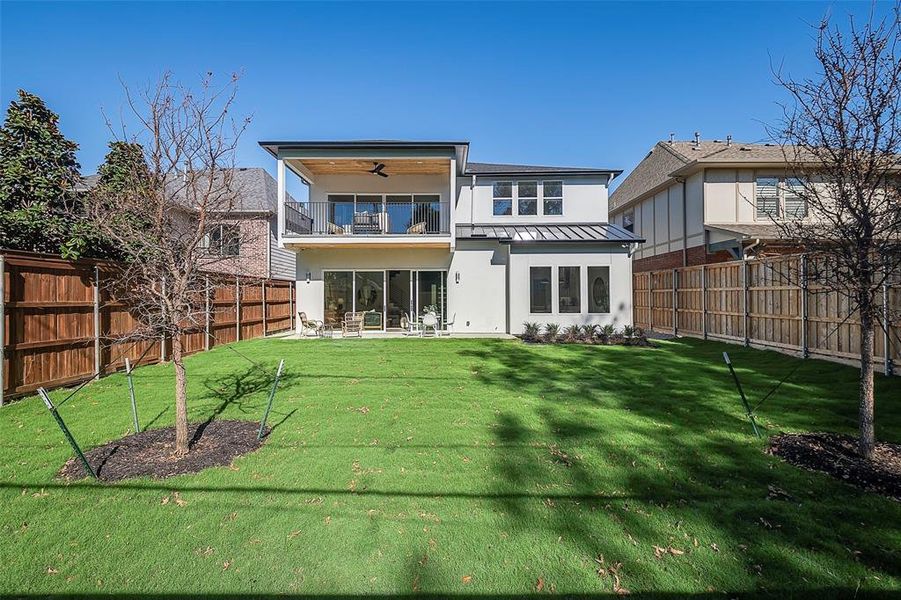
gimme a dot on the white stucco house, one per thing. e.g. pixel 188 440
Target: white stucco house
pixel 391 227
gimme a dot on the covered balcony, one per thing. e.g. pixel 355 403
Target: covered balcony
pixel 369 215
pixel 368 193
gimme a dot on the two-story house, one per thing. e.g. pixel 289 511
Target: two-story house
pixel 699 202
pixel 392 227
pixel 244 240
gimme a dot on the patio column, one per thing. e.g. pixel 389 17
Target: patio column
pixel 451 218
pixel 281 201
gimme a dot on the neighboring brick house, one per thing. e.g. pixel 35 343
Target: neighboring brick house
pixel 246 241
pixel 701 202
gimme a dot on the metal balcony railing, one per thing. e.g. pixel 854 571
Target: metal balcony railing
pixel 348 218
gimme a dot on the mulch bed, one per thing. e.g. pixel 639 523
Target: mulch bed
pixel 150 453
pixel 836 455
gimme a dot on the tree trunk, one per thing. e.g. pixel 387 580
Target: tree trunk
pixel 181 398
pixel 867 439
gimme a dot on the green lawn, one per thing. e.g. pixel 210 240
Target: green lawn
pixel 458 467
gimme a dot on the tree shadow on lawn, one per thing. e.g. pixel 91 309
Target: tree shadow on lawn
pixel 693 460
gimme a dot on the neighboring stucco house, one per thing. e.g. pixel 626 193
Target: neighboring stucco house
pixel 245 240
pixel 391 227
pixel 700 201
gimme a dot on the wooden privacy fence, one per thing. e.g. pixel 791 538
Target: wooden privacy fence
pixel 767 303
pixel 58 325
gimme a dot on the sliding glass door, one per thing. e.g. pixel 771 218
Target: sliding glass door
pixel 384 296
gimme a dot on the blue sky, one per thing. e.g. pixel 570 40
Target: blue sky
pixel 563 84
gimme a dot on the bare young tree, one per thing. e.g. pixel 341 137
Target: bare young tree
pixel 841 136
pixel 161 206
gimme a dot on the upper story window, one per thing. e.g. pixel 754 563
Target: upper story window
pixel 553 198
pixel 527 197
pixel 503 198
pixel 223 240
pixel 629 220
pixel 780 198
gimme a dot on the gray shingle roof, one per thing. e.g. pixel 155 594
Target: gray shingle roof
pixel 478 168
pixel 258 190
pixel 564 232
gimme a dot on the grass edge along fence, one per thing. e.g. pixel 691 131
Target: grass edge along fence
pixel 764 303
pixel 58 327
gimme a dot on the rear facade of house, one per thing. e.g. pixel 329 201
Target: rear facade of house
pixel 393 227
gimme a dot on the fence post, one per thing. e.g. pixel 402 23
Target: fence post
pixel 237 308
pixel 291 287
pixel 207 309
pixel 704 301
pixel 886 324
pixel 805 346
pixel 2 323
pixel 96 320
pixel 650 301
pixel 675 312
pixel 264 307
pixel 747 308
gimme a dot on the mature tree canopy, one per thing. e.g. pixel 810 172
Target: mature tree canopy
pixel 38 173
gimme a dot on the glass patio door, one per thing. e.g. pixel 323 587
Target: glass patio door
pixel 431 291
pixel 369 295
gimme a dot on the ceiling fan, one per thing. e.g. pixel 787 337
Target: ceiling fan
pixel 377 169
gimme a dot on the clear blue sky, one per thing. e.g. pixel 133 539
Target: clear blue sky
pixel 562 84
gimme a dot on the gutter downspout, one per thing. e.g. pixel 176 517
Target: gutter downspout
pixel 749 248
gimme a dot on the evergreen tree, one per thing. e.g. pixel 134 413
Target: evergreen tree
pixel 38 172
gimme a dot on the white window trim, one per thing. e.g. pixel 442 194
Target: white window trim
pixel 536 197
pixel 560 197
pixel 512 198
pixel 781 186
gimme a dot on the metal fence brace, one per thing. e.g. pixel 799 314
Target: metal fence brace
pixel 741 393
pixel 278 374
pixel 62 425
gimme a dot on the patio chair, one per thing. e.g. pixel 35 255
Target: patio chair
pixel 309 326
pixel 449 325
pixel 352 324
pixel 409 327
pixel 417 228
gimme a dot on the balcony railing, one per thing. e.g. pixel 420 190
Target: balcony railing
pixel 349 218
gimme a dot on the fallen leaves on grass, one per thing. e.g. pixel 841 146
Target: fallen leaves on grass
pixel 294 534
pixel 208 551
pixel 41 494
pixel 559 456
pixel 467 579
pixel 539 585
pixel 661 552
pixel 174 497
pixel 612 570
pixel 226 565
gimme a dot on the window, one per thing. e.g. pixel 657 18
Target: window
pixel 795 205
pixel 527 199
pixel 553 197
pixel 224 240
pixel 503 198
pixel 598 289
pixel 780 198
pixel 569 289
pixel 767 198
pixel 540 290
pixel 629 220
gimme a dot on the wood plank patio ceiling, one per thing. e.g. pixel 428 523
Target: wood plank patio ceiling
pixel 393 166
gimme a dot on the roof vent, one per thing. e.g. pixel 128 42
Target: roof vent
pixel 672 138
pixel 697 139
pixel 728 140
